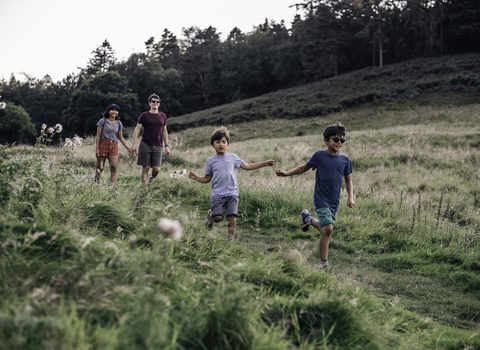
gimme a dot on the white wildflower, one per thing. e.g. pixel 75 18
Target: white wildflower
pixel 68 142
pixel 87 241
pixel 178 173
pixel 34 236
pixel 3 105
pixel 50 130
pixel 58 128
pixel 77 141
pixel 170 228
pixel 44 126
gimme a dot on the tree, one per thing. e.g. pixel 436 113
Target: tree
pixel 15 125
pixel 168 50
pixel 200 63
pixel 324 38
pixel 91 99
pixel 146 76
pixel 103 58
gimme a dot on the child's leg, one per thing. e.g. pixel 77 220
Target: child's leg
pixel 326 232
pixel 324 224
pixel 232 225
pixel 215 214
pixel 232 213
pixel 325 241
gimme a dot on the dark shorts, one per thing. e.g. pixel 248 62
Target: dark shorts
pixel 149 155
pixel 107 148
pixel 229 203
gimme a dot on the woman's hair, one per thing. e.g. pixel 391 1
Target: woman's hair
pixel 334 130
pixel 109 108
pixel 220 133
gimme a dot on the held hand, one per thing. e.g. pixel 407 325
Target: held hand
pixel 350 202
pixel 269 162
pixel 132 149
pixel 280 172
pixel 192 175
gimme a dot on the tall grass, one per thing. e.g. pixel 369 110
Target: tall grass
pixel 82 265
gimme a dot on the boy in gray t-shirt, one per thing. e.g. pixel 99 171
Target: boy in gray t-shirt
pixel 220 170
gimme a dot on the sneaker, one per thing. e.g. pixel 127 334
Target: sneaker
pixel 230 238
pixel 306 220
pixel 209 220
pixel 326 269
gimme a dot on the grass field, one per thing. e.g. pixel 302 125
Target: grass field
pixel 84 266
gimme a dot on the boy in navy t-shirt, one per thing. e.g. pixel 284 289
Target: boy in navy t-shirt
pixel 220 170
pixel 332 167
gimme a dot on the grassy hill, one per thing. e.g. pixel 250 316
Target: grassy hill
pixel 366 86
pixel 85 265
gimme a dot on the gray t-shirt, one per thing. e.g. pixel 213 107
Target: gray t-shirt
pixel 224 179
pixel 110 130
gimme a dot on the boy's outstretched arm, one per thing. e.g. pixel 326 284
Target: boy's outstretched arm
pixel 349 187
pixel 254 166
pixel 298 170
pixel 203 179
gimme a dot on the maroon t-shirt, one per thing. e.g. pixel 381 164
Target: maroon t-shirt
pixel 152 127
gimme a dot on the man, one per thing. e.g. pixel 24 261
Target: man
pixel 154 137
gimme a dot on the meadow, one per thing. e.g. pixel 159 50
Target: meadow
pixel 84 266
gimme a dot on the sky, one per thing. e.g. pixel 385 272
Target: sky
pixel 56 37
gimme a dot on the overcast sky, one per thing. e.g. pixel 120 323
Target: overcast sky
pixel 55 37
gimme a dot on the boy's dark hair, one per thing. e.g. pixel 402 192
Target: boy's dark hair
pixel 154 96
pixel 334 130
pixel 219 133
pixel 109 108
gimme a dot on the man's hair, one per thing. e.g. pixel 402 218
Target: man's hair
pixel 153 96
pixel 219 133
pixel 334 130
pixel 109 108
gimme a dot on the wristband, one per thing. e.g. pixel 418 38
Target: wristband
pixel 127 147
pixel 166 145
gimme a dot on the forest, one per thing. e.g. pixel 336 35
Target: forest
pixel 198 70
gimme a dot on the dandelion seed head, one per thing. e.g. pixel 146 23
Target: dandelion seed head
pixel 3 105
pixel 50 130
pixel 44 126
pixel 170 228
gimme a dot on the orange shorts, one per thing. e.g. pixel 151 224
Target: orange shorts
pixel 108 148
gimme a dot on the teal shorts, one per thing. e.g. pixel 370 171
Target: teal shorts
pixel 325 216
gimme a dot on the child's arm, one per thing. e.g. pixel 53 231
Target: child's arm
pixel 203 179
pixel 349 187
pixel 298 170
pixel 254 166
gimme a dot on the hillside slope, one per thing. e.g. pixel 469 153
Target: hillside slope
pixel 392 82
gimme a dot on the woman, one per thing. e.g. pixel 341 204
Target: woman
pixel 109 131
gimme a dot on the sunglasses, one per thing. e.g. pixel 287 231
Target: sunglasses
pixel 154 101
pixel 336 139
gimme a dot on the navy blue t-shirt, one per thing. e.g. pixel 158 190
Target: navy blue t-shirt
pixel 329 177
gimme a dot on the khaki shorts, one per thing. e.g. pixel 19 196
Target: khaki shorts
pixel 149 155
pixel 107 148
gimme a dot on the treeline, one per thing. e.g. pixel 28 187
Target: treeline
pixel 199 70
